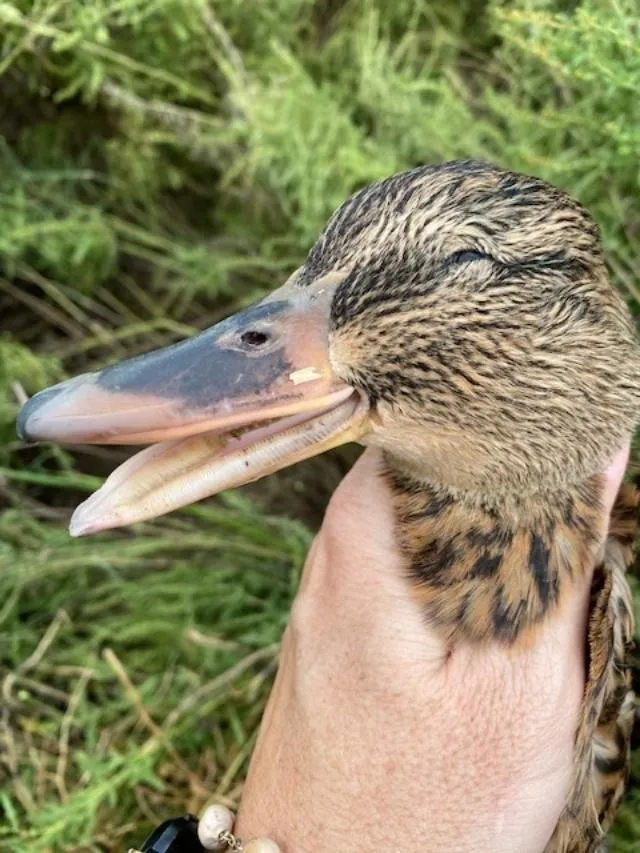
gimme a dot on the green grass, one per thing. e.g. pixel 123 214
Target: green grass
pixel 141 665
pixel 163 162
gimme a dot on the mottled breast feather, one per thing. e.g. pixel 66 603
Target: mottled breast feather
pixel 482 575
pixel 608 711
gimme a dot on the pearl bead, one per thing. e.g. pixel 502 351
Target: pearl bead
pixel 261 845
pixel 216 819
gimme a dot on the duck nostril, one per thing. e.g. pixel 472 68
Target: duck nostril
pixel 254 339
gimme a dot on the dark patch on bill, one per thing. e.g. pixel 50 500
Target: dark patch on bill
pixel 200 372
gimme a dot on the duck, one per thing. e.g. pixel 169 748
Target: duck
pixel 458 316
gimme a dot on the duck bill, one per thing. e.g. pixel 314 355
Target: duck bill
pixel 247 397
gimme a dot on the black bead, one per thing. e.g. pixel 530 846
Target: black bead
pixel 179 835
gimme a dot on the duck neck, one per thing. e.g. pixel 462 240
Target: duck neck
pixel 494 569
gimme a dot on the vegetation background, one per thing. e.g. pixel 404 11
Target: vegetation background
pixel 163 162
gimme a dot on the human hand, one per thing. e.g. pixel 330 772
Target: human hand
pixel 377 736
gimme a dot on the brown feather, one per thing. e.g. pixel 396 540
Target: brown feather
pixel 483 577
pixel 608 710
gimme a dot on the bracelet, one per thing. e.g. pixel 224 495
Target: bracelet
pixel 213 832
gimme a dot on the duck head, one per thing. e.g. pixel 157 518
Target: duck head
pixel 458 316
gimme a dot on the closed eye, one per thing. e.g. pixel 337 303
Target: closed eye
pixel 466 256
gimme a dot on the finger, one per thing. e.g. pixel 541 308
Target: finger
pixel 360 513
pixel 613 477
pixel 357 541
pixel 354 591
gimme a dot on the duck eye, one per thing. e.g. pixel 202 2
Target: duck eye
pixel 465 256
pixel 253 338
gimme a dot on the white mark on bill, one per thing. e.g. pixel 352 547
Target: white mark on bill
pixel 305 374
